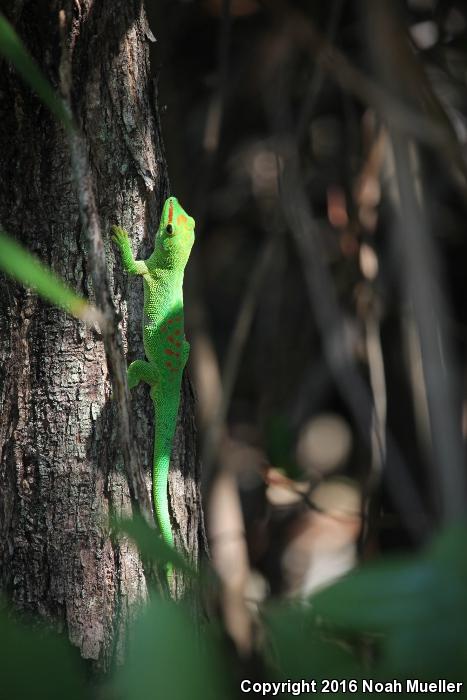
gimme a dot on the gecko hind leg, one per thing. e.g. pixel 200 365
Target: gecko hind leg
pixel 140 371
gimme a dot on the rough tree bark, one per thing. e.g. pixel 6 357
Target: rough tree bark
pixel 60 468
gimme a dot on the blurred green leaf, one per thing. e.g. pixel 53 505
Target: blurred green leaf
pixel 419 605
pixel 382 597
pixel 396 592
pixel 37 664
pixel 14 50
pixel 150 543
pixel 171 658
pixel 299 648
pixel 24 267
pixel 401 619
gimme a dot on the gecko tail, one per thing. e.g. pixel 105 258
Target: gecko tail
pixel 165 428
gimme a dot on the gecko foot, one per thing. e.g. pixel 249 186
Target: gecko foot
pixel 140 371
pixel 119 236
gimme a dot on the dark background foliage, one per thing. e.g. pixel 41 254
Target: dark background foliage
pixel 241 88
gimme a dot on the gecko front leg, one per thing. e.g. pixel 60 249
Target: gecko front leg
pixel 134 267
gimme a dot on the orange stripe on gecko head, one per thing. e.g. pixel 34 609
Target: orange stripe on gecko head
pixel 171 212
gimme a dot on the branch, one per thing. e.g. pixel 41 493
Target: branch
pixel 420 273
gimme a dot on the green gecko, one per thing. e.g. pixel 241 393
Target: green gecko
pixel 164 339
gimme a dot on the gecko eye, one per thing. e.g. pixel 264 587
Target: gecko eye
pixel 169 228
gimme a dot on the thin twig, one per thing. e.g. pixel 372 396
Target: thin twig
pixel 430 126
pixel 378 388
pixel 420 273
pixel 235 351
pixel 331 325
pixel 419 269
pixel 318 75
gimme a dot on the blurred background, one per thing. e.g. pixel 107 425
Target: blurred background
pixel 321 149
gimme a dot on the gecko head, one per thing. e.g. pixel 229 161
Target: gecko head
pixel 175 236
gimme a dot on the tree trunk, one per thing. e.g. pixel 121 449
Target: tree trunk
pixel 60 471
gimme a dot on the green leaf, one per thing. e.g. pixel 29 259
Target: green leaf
pixel 24 267
pixel 299 648
pixel 150 543
pixel 419 609
pixel 393 593
pixel 170 658
pixel 14 50
pixel 377 598
pixel 37 664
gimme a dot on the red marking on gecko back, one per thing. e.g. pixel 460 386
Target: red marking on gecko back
pixel 171 338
